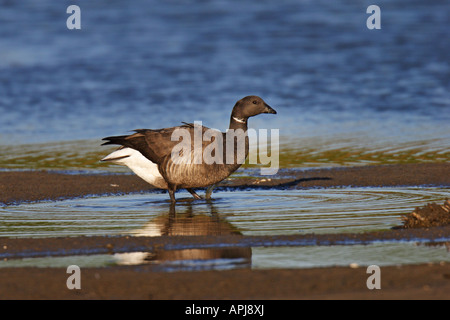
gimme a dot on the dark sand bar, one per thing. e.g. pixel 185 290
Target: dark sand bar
pixel 29 186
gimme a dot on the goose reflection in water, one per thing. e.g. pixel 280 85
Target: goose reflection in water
pixel 187 223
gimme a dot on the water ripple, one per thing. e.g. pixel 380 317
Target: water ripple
pixel 254 212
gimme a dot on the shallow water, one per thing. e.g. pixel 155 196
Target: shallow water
pixel 380 254
pixel 316 152
pixel 257 212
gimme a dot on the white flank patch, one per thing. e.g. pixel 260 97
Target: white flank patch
pixel 139 164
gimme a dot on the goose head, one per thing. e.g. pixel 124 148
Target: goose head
pixel 250 106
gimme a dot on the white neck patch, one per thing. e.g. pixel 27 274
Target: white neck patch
pixel 239 120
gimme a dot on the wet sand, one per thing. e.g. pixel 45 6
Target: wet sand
pixel 29 186
pixel 427 281
pixel 397 282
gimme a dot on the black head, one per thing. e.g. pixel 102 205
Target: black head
pixel 251 106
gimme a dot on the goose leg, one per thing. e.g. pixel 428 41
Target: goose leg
pixel 172 190
pixel 194 194
pixel 209 191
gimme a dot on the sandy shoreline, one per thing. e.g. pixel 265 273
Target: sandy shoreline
pixel 398 282
pixel 426 281
pixel 29 186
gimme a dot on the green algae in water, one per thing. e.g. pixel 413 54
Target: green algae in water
pixel 305 153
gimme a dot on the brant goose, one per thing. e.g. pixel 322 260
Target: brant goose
pixel 167 163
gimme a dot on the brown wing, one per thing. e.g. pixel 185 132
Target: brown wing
pixel 154 144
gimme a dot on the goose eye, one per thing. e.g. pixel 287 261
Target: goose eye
pixel 255 102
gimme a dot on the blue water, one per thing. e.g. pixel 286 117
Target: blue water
pixel 152 64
